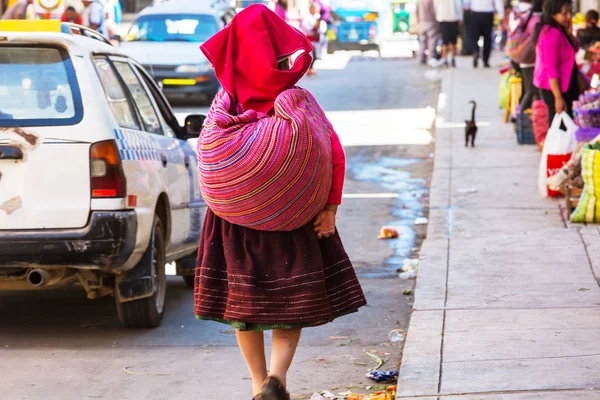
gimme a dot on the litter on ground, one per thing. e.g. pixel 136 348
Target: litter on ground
pixel 388 393
pixel 388 233
pixel 421 221
pixel 397 335
pixel 382 376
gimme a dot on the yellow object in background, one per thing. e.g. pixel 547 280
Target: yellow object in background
pixel 179 82
pixel 10 3
pixel 10 25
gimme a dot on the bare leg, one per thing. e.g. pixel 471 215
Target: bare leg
pixel 445 53
pixel 252 346
pixel 452 47
pixel 285 342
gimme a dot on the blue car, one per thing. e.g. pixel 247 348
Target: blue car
pixel 355 25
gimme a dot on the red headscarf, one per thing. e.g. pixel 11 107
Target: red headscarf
pixel 244 56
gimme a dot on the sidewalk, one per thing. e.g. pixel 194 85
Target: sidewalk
pixel 507 304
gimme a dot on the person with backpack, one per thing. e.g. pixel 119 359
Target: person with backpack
pixel 524 17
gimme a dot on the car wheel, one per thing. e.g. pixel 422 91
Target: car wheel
pixel 148 312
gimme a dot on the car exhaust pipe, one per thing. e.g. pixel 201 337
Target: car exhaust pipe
pixel 38 277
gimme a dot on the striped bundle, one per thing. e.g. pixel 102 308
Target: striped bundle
pixel 269 173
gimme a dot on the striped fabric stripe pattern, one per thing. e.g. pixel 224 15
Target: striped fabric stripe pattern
pixel 270 173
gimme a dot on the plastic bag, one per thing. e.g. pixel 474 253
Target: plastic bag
pixel 558 147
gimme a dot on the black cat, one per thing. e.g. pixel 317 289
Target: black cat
pixel 471 127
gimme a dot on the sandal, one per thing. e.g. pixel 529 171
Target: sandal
pixel 273 389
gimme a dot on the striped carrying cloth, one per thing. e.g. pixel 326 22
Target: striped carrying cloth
pixel 269 173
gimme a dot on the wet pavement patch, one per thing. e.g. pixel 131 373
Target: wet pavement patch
pixel 395 175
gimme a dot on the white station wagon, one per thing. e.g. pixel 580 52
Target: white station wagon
pixel 98 184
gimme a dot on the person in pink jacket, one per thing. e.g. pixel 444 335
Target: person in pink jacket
pixel 556 72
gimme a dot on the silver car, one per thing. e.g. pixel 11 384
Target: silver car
pixel 165 38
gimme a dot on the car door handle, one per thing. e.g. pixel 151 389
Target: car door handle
pixel 164 160
pixel 187 163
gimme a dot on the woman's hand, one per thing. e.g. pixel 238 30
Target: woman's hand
pixel 559 104
pixel 325 222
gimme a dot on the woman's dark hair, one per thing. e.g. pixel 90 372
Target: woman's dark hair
pixel 536 6
pixel 549 9
pixel 283 3
pixel 592 17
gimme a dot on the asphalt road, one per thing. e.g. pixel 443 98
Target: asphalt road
pixel 60 346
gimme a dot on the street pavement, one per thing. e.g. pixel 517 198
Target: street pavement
pixel 60 346
pixel 507 300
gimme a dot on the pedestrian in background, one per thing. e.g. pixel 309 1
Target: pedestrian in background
pixel 17 10
pixel 464 31
pixel 96 16
pixel 314 28
pixel 280 7
pixel 504 26
pixel 556 73
pixel 256 280
pixel 523 21
pixel 589 35
pixel 449 14
pixel 429 32
pixel 71 15
pixel 481 24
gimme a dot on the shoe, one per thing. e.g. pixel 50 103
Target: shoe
pixel 445 64
pixel 475 62
pixel 453 62
pixel 433 63
pixel 486 65
pixel 273 390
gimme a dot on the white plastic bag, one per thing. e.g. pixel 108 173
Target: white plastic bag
pixel 558 147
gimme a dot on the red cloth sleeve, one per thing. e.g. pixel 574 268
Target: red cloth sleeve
pixel 339 170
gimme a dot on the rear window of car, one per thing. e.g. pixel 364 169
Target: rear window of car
pixel 195 28
pixel 38 87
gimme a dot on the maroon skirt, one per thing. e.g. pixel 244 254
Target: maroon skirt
pixel 257 280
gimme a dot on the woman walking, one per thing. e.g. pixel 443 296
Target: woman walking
pixel 556 73
pixel 263 267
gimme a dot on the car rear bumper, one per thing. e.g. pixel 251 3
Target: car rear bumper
pixel 347 45
pixel 105 243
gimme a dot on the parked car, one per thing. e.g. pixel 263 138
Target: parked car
pixel 166 39
pixel 356 25
pixel 99 183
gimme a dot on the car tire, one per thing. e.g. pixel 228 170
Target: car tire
pixel 148 312
pixel 189 280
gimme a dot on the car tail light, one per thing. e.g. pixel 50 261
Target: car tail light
pixel 372 31
pixel 106 171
